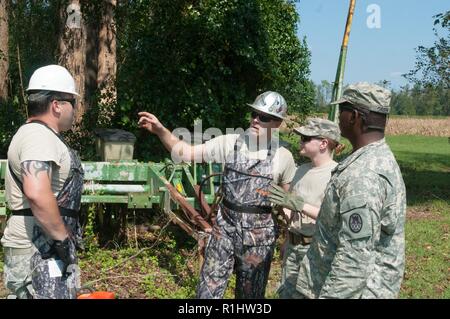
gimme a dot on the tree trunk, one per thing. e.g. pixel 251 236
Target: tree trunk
pixel 72 48
pixel 107 66
pixel 4 48
pixel 91 60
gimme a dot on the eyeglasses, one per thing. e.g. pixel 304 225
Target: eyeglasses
pixel 71 101
pixel 264 118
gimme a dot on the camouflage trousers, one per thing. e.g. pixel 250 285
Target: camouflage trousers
pixel 247 251
pixel 29 276
pixel 17 272
pixel 48 282
pixel 291 264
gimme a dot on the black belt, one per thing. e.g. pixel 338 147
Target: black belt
pixel 247 209
pixel 63 211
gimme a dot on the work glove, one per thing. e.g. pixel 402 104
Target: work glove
pixel 279 196
pixel 62 250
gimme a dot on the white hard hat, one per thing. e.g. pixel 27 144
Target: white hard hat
pixel 271 103
pixel 52 78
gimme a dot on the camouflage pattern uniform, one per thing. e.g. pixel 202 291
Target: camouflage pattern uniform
pixel 17 271
pixel 358 249
pixel 46 285
pixel 34 266
pixel 241 240
pixel 293 256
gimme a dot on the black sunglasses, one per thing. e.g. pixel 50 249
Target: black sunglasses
pixel 264 118
pixel 306 139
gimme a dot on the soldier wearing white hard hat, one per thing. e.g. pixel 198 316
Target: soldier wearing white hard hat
pixel 43 189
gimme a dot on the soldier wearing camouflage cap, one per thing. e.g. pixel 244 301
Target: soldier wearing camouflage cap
pixel 358 249
pixel 320 127
pixel 367 96
pixel 318 139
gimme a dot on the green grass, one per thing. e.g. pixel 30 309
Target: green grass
pixel 424 162
pixel 425 165
pixel 427 273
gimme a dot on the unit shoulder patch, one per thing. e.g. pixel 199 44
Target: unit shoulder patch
pixel 355 223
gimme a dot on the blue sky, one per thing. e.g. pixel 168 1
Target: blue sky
pixel 374 54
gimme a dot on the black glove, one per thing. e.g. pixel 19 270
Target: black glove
pixel 62 250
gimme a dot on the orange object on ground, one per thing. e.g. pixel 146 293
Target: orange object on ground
pixel 98 295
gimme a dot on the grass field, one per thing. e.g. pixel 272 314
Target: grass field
pixel 425 164
pixel 169 268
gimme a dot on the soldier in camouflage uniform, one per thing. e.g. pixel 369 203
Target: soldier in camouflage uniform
pixel 245 232
pixel 318 139
pixel 358 250
pixel 44 182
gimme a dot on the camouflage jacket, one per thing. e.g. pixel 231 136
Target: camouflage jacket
pixel 358 249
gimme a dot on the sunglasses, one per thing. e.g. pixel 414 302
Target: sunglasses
pixel 306 139
pixel 263 118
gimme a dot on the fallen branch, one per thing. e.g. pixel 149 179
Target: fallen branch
pixel 140 251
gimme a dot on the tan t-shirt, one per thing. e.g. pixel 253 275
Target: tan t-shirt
pixel 283 165
pixel 31 142
pixel 309 183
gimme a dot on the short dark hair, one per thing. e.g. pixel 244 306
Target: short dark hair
pixel 373 121
pixel 38 101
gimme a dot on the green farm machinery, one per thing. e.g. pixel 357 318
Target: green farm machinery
pixel 184 192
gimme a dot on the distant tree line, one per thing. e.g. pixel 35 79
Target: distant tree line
pixel 428 91
pixel 415 99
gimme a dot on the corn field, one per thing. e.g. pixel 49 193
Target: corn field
pixel 397 125
pixel 419 126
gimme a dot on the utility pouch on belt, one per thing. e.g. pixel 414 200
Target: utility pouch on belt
pixel 299 239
